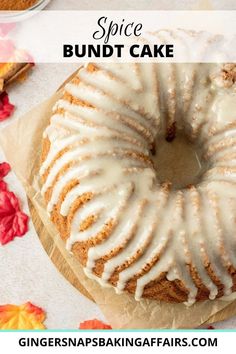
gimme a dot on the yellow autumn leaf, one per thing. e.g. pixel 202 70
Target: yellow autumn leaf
pixel 26 316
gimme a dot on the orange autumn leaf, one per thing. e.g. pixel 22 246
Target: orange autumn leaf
pixel 94 324
pixel 26 316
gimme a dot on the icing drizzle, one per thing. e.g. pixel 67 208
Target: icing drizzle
pixel 107 142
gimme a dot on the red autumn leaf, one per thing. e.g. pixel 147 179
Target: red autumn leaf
pixel 3 186
pixel 6 108
pixel 94 324
pixel 13 222
pixel 5 28
pixel 5 168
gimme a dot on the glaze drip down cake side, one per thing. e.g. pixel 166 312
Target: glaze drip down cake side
pixel 129 225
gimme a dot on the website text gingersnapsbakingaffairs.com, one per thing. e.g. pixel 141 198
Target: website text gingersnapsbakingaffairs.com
pixel 118 342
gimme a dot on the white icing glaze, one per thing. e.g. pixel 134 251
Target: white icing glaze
pixel 107 145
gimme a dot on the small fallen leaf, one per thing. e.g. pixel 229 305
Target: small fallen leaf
pixel 13 222
pixel 6 108
pixel 27 316
pixel 94 324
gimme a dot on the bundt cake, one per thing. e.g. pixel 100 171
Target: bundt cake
pixel 128 227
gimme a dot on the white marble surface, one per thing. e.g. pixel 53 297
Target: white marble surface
pixel 26 272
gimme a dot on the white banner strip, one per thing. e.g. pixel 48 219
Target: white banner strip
pixel 123 36
pixel 118 342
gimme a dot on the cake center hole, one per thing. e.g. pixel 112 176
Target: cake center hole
pixel 177 161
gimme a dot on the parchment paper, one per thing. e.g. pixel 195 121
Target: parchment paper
pixel 21 142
